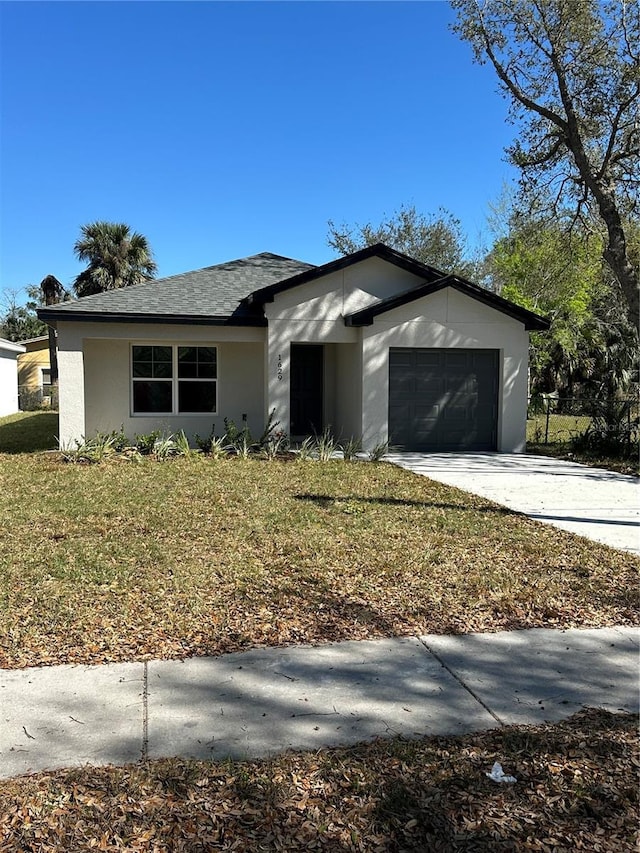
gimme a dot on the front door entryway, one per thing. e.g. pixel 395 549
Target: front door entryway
pixel 307 380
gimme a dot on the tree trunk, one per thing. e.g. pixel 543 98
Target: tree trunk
pixel 616 257
pixel 53 356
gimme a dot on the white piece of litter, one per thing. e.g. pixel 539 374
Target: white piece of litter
pixel 498 775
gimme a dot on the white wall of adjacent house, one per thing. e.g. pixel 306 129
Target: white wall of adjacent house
pixel 447 319
pixel 95 378
pixel 9 377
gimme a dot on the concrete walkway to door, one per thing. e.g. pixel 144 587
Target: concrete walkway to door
pixel 598 504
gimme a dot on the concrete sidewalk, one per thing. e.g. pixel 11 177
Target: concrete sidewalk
pixel 269 700
pixel 601 505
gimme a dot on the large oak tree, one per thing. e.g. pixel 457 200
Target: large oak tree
pixel 570 69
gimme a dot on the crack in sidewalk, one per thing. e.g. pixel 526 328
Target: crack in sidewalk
pixel 461 682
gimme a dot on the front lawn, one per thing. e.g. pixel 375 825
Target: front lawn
pixel 576 789
pixel 28 431
pixel 133 560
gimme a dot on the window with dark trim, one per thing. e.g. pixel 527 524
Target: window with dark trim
pixel 173 379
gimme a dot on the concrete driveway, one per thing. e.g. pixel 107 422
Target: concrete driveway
pixel 598 504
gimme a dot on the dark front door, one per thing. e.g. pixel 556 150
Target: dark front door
pixel 307 379
pixel 443 399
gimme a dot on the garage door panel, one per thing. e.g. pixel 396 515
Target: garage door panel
pixel 400 415
pixel 448 399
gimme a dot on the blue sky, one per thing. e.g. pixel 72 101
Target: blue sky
pixel 220 130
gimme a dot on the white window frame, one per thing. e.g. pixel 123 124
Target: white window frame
pixel 174 380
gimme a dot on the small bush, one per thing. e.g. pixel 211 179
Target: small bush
pixel 145 442
pixel 351 448
pixel 378 451
pixel 325 445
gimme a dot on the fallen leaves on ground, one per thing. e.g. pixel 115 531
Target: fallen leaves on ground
pixel 199 557
pixel 576 789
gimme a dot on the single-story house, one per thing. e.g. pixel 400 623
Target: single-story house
pixel 34 373
pixel 374 345
pixel 9 376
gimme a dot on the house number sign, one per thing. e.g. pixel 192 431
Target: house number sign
pixel 279 367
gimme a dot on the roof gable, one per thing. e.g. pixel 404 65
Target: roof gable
pixel 366 316
pixel 379 250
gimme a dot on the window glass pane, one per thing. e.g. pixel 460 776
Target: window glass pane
pixel 187 354
pixel 141 354
pixel 142 368
pixel 206 371
pixel 196 396
pixel 162 370
pixel 188 370
pixel 153 362
pixel 162 354
pixel 152 396
pixel 197 362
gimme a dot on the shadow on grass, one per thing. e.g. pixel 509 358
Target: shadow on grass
pixel 327 501
pixel 29 432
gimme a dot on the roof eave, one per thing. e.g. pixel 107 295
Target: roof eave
pixel 133 317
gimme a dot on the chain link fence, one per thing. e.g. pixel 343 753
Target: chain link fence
pixel 32 399
pixel 613 423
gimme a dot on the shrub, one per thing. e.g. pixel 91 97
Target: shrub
pixel 351 448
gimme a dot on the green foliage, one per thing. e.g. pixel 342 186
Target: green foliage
pixel 275 446
pixel 306 449
pixel 591 348
pixel 378 451
pixel 270 428
pixel 20 322
pixel 614 430
pixel 350 449
pixel 435 240
pixel 116 258
pixel 239 441
pixel 90 450
pixel 145 442
pixel 325 445
pixel 569 69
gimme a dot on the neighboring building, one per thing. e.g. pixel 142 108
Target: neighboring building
pixel 34 374
pixel 9 353
pixel 374 345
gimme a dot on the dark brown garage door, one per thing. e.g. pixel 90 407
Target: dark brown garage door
pixel 443 399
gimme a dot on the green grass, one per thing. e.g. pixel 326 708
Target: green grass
pixel 131 560
pixel 561 428
pixel 576 789
pixel 26 432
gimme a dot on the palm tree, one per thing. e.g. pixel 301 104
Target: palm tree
pixel 116 256
pixel 52 293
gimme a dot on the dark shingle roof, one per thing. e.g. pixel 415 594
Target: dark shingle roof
pixel 234 293
pixel 213 293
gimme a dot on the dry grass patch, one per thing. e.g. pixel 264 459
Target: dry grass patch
pixel 576 789
pixel 189 557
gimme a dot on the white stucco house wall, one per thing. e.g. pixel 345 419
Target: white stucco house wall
pixel 374 345
pixel 9 353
